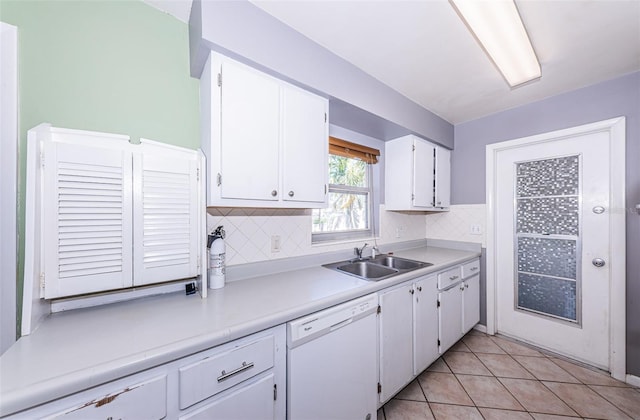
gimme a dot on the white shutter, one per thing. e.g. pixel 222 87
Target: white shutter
pixel 86 214
pixel 166 213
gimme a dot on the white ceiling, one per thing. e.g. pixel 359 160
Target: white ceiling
pixel 423 50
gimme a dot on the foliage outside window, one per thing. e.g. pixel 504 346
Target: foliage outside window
pixel 348 215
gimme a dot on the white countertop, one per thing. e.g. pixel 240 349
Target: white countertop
pixel 75 350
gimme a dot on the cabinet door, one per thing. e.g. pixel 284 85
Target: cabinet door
pixel 471 303
pixel 249 133
pixel 396 340
pixel 87 215
pixel 166 213
pixel 450 317
pixel 423 165
pixel 147 400
pixel 305 146
pixel 425 324
pixel 443 177
pixel 247 401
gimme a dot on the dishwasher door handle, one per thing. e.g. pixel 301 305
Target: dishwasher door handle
pixel 340 324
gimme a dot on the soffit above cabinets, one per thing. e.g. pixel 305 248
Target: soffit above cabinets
pixel 424 51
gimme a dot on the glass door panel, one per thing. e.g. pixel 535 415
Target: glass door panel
pixel 547 237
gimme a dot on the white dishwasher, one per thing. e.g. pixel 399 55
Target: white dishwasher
pixel 332 363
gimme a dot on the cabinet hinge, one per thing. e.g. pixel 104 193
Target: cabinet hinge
pixel 325 117
pixel 413 197
pixel 325 189
pixel 413 147
pixel 220 79
pixel 379 388
pixel 197 174
pixel 438 341
pixel 379 309
pixel 219 179
pixel 42 159
pixel 275 392
pixel 438 304
pixel 198 262
pixel 42 282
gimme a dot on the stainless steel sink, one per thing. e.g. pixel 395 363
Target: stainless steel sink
pixel 398 263
pixel 379 268
pixel 366 270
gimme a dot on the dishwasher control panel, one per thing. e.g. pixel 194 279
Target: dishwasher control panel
pixel 332 318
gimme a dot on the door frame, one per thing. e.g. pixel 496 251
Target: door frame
pixel 9 184
pixel 617 251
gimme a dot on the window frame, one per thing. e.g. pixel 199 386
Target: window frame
pixel 354 234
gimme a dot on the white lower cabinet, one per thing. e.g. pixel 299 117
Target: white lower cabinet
pixel 253 400
pixel 243 379
pixel 408 333
pixel 459 302
pixel 425 325
pixel 141 396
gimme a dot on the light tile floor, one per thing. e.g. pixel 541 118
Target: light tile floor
pixel 494 378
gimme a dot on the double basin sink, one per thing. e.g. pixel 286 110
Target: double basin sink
pixel 378 268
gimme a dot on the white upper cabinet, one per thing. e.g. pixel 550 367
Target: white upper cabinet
pixel 305 146
pixel 166 213
pixel 443 177
pixel 86 212
pixel 266 141
pixel 249 134
pixel 417 175
pixel 111 215
pixel 423 166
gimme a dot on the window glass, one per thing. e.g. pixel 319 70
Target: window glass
pixel 348 214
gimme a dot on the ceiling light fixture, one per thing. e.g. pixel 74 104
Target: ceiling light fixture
pixel 496 24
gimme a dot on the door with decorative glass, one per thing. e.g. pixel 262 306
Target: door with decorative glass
pixel 552 220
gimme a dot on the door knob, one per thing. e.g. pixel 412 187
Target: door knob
pixel 598 262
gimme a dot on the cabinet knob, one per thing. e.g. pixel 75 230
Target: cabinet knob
pixel 439 202
pixel 411 291
pixel 419 288
pixel 290 193
pixel 466 286
pixel 274 193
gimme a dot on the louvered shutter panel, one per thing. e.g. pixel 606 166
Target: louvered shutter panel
pixel 87 214
pixel 166 213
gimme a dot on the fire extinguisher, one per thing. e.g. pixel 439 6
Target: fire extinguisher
pixel 217 251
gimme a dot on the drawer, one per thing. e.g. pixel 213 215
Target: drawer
pixel 470 269
pixel 248 401
pixel 146 400
pixel 449 277
pixel 214 374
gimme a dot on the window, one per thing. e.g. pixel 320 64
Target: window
pixel 349 213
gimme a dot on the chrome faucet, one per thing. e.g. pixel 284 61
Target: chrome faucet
pixel 358 251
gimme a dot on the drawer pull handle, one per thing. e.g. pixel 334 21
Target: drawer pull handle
pixel 224 375
pixel 453 277
pixel 473 268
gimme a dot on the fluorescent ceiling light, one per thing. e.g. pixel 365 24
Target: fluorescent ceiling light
pixel 496 24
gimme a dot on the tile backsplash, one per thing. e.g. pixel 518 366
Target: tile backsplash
pixel 456 224
pixel 250 230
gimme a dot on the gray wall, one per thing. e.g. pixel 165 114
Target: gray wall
pixel 613 98
pixel 357 101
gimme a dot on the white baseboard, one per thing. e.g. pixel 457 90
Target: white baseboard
pixel 481 328
pixel 633 380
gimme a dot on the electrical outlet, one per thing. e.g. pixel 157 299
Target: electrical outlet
pixel 476 230
pixel 275 243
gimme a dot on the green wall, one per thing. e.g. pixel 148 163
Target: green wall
pixel 118 66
